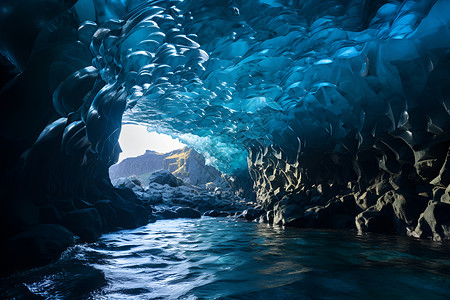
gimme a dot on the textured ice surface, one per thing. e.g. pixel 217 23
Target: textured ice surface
pixel 238 79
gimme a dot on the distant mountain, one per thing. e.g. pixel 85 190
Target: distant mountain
pixel 185 163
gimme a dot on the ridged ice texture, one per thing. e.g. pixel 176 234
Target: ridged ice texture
pixel 281 82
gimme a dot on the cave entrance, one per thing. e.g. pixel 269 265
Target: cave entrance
pixel 135 140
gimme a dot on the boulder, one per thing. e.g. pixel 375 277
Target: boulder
pixel 49 214
pixel 428 169
pixel 287 214
pixel 337 213
pixel 187 212
pixel 445 195
pixel 434 222
pixel 443 178
pixel 377 219
pixel 130 182
pixel 108 214
pixel 165 177
pixel 86 223
pixel 366 199
pixel 252 214
pixel 168 214
pixel 394 212
pixel 214 213
pixel 37 245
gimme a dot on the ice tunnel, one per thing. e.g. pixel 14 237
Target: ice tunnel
pixel 335 109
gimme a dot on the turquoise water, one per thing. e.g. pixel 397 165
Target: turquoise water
pixel 224 259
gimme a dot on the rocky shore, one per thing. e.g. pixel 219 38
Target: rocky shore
pixel 171 198
pixel 414 202
pixel 130 204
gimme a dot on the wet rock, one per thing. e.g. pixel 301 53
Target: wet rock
pixel 187 212
pixel 377 219
pixel 286 213
pixel 130 215
pixel 183 202
pixel 214 213
pixel 337 213
pixel 108 214
pixel 434 222
pixel 37 245
pixel 167 214
pixel 394 212
pixel 252 214
pixel 407 209
pixel 155 198
pixel 165 177
pixel 86 223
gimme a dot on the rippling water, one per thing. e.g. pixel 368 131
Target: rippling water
pixel 224 259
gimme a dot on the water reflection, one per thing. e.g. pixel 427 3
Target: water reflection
pixel 224 259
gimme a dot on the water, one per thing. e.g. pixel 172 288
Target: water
pixel 224 259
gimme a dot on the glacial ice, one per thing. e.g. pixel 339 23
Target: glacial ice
pixel 285 87
pixel 226 76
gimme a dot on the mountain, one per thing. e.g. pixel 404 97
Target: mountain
pixel 185 163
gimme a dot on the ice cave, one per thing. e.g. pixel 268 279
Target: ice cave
pixel 310 125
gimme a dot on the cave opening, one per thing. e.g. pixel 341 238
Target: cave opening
pixel 135 139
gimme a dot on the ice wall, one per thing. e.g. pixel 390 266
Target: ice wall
pixel 302 93
pixel 308 88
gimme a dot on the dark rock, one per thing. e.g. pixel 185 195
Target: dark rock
pixel 129 182
pixel 287 214
pixel 394 212
pixel 337 213
pixel 86 223
pixel 49 214
pixel 127 195
pixel 377 219
pixel 214 213
pixel 108 214
pixel 381 187
pixel 407 209
pixel 168 214
pixel 131 211
pixel 269 216
pixel 428 169
pixel 155 199
pixel 183 202
pixel 407 179
pixel 64 204
pixel 25 212
pixel 187 212
pixel 165 177
pixel 37 245
pixel 443 178
pixel 445 197
pixel 130 215
pixel 434 222
pixel 252 214
pixel 366 200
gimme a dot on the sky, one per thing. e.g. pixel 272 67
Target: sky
pixel 135 139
